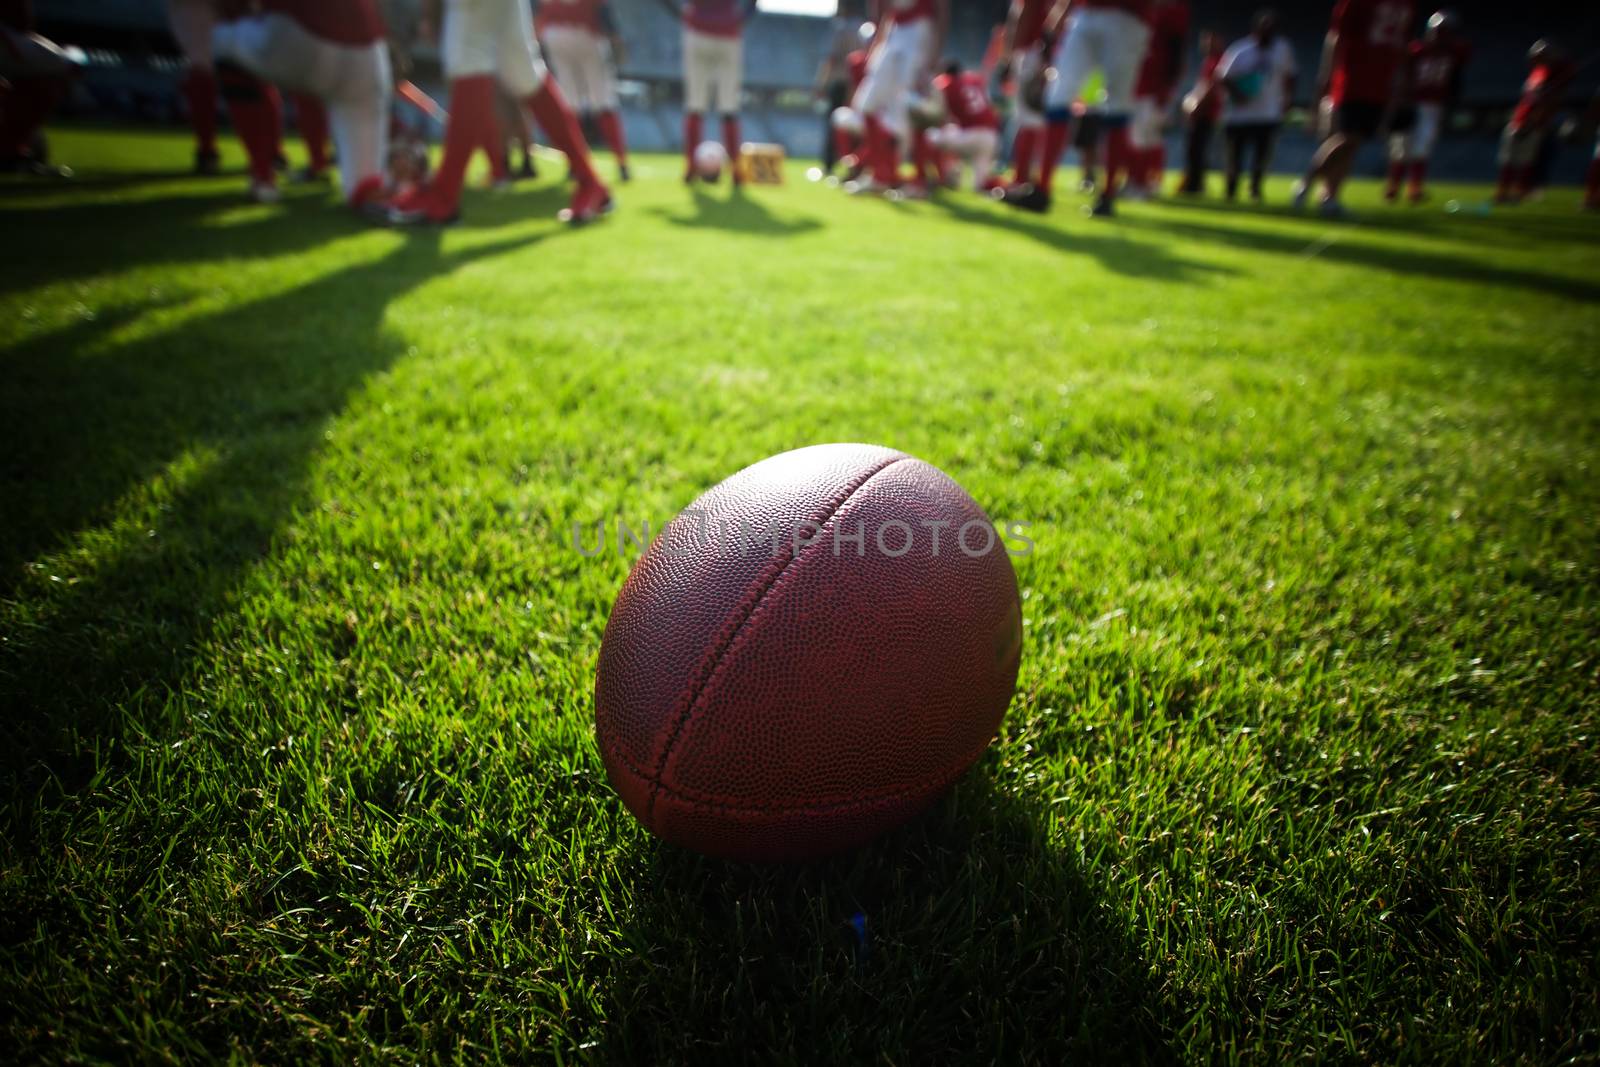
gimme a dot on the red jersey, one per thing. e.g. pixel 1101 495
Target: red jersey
pixel 1541 93
pixel 577 14
pixel 1163 60
pixel 1436 68
pixel 1030 22
pixel 966 100
pixel 716 18
pixel 1372 43
pixel 346 22
pixel 1137 8
pixel 856 64
pixel 907 11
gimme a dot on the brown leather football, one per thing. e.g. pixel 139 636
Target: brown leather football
pixel 808 655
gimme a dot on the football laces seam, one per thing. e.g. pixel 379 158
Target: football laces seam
pixel 712 662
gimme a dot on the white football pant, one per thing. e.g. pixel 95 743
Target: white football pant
pixel 352 80
pixel 1416 144
pixel 712 66
pixel 492 37
pixel 1109 40
pixel 977 145
pixel 580 61
pixel 886 91
pixel 1025 66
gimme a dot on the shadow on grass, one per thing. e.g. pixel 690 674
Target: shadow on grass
pixel 969 936
pixel 737 212
pixel 1133 259
pixel 1385 258
pixel 226 413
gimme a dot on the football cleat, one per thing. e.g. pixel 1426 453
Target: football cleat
pixel 1027 197
pixel 265 193
pixel 1105 207
pixel 207 163
pixel 589 202
pixel 1302 192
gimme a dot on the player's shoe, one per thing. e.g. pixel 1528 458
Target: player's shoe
pixel 1026 197
pixel 265 193
pixel 1391 196
pixel 589 202
pixel 1138 194
pixel 1333 209
pixel 867 187
pixel 910 191
pixel 309 176
pixel 1418 198
pixel 623 174
pixel 1301 193
pixel 33 168
pixel 527 170
pixel 207 163
pixel 1105 207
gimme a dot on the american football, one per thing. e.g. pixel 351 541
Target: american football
pixel 801 661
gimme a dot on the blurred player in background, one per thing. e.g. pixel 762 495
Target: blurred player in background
pixel 584 47
pixel 834 85
pixel 1361 63
pixel 1257 77
pixel 1023 47
pixel 34 78
pixel 972 133
pixel 848 128
pixel 1202 110
pixel 713 70
pixel 485 42
pixel 192 22
pixel 1152 97
pixel 1550 75
pixel 331 50
pixel 911 33
pixel 1436 64
pixel 1591 194
pixel 1108 36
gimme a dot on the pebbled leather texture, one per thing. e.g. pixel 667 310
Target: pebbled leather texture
pixel 768 697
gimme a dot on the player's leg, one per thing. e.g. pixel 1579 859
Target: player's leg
pixel 603 91
pixel 1233 159
pixel 1591 194
pixel 985 146
pixel 729 87
pixel 192 22
pixel 1399 163
pixel 1424 138
pixel 1266 139
pixel 1144 134
pixel 1074 60
pixel 311 119
pixel 523 73
pixel 1122 45
pixel 36 75
pixel 1028 119
pixel 358 116
pixel 696 96
pixel 253 104
pixel 883 101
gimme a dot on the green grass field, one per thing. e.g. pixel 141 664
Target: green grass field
pixel 297 659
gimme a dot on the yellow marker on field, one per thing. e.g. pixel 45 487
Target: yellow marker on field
pixel 761 164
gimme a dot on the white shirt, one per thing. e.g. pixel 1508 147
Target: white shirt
pixel 1274 63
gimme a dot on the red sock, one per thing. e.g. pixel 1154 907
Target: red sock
pixel 550 108
pixel 693 130
pixel 1055 142
pixel 257 114
pixel 200 91
pixel 1419 176
pixel 731 139
pixel 472 126
pixel 1397 174
pixel 1119 156
pixel 841 144
pixel 312 118
pixel 923 158
pixel 1592 196
pixel 885 152
pixel 611 130
pixel 1022 153
pixel 1508 179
